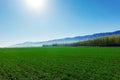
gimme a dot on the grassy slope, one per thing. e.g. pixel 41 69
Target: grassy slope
pixel 60 63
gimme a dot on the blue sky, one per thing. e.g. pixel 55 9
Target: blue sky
pixel 61 18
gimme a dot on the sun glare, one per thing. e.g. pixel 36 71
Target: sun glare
pixel 36 4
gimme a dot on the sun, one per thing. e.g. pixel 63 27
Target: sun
pixel 36 4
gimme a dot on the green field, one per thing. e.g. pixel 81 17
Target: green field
pixel 60 63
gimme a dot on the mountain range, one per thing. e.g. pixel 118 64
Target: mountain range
pixel 66 40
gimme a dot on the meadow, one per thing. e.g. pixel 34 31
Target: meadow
pixel 60 63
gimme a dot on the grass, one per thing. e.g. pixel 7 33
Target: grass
pixel 60 63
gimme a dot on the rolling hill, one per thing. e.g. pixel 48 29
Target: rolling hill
pixel 66 40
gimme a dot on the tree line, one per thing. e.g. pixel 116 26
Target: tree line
pixel 103 41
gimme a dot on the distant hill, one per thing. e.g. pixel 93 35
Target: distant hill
pixel 66 40
pixel 103 41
